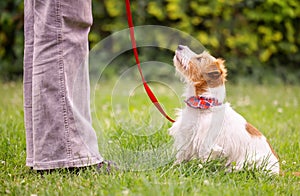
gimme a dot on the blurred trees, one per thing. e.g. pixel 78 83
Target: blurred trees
pixel 11 38
pixel 254 36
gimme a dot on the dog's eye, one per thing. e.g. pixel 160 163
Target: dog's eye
pixel 214 74
pixel 199 58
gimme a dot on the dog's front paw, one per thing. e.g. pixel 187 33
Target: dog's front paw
pixel 177 162
pixel 217 152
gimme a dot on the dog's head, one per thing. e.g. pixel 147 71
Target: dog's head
pixel 201 70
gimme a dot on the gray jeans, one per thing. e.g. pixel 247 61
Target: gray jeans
pixel 58 126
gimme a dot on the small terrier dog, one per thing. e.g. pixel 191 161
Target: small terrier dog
pixel 209 129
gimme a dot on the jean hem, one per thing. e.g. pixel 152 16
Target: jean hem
pixel 82 162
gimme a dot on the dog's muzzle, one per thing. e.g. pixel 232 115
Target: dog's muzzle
pixel 183 55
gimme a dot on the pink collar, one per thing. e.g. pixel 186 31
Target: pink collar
pixel 202 102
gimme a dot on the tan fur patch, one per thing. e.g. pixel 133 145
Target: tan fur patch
pixel 195 75
pixel 221 64
pixel 273 151
pixel 194 72
pixel 252 130
pixel 200 87
pixel 255 133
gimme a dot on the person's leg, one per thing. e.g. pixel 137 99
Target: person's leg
pixel 62 132
pixel 27 78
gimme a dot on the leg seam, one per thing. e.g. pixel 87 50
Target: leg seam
pixel 62 78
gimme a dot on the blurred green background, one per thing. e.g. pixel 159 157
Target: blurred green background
pixel 258 38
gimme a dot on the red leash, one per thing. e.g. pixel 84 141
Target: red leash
pixel 147 88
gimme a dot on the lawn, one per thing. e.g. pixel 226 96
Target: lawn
pixel 136 138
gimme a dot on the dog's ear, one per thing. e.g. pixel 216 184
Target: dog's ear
pixel 221 65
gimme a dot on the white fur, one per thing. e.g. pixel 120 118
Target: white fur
pixel 219 132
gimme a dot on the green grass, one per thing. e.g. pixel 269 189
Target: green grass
pixel 272 109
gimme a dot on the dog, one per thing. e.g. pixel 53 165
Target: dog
pixel 209 129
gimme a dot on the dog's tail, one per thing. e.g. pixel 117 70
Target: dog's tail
pixel 296 174
pixel 282 173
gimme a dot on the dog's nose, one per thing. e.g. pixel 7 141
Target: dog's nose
pixel 180 47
